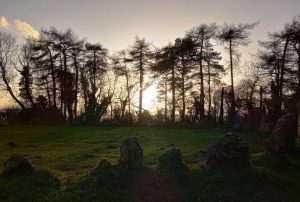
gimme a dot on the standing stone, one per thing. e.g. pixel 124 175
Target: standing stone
pixel 17 164
pixel 229 149
pixel 171 164
pixel 171 159
pixel 284 135
pixel 131 154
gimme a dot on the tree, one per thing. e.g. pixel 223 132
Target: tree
pixel 7 52
pixel 213 72
pixel 43 58
pixel 96 65
pixel 201 36
pixel 165 60
pixel 76 52
pixel 184 51
pixel 221 116
pixel 121 68
pixel 140 55
pixel 26 80
pixel 279 58
pixel 233 36
pixel 64 42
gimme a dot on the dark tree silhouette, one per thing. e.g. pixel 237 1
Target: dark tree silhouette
pixel 26 80
pixel 7 52
pixel 201 36
pixel 233 36
pixel 214 69
pixel 141 56
pixel 184 50
pixel 121 67
pixel 165 61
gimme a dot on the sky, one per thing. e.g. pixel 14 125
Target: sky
pixel 115 23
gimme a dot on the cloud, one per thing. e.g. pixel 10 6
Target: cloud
pixel 25 29
pixel 3 22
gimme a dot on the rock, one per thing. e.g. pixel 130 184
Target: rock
pixel 103 167
pixel 230 149
pixel 17 164
pixel 284 135
pixel 11 144
pixel 104 175
pixel 171 159
pixel 170 162
pixel 131 154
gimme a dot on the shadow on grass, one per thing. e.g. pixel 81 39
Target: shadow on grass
pixel 266 178
pixel 38 186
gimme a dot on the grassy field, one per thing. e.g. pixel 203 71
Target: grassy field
pixel 70 152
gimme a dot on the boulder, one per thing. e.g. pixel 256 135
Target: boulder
pixel 171 159
pixel 170 163
pixel 11 144
pixel 284 135
pixel 17 164
pixel 131 154
pixel 229 149
pixel 103 167
pixel 104 176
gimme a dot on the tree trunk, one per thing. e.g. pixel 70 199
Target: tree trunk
pixel 8 88
pixel 201 83
pixel 128 93
pixel 53 79
pixel 221 117
pixel 141 91
pixel 209 93
pixel 232 110
pixel 261 100
pixel 166 98
pixel 48 93
pixel 283 68
pixel 76 86
pixel 173 95
pixel 61 86
pixel 27 86
pixel 183 94
pixel 64 82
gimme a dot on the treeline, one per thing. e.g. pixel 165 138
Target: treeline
pixel 63 77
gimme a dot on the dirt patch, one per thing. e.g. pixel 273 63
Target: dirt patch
pixel 155 186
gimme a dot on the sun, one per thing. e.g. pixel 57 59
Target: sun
pixel 149 97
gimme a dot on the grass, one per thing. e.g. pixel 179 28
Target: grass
pixel 70 152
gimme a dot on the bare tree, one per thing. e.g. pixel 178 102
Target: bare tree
pixel 122 68
pixel 7 52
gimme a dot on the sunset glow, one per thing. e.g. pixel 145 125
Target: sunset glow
pixel 149 98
